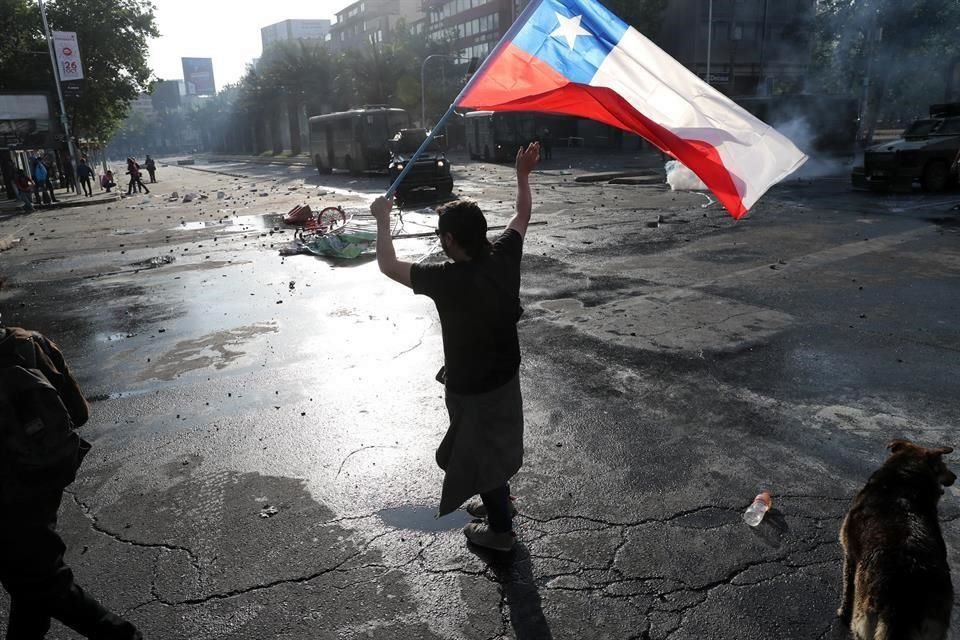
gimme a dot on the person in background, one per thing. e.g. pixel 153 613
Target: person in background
pixel 24 190
pixel 546 142
pixel 66 177
pixel 41 176
pixel 133 170
pixel 106 181
pixel 85 174
pixel 151 168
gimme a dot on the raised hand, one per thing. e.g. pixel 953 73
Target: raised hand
pixel 527 159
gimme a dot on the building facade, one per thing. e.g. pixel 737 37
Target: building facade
pixel 294 30
pixel 757 46
pixel 473 26
pixel 372 21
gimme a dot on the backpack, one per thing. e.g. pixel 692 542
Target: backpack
pixel 39 448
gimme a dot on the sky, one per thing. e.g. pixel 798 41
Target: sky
pixel 227 31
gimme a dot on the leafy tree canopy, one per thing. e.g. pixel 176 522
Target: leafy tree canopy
pixel 644 15
pixel 905 46
pixel 113 37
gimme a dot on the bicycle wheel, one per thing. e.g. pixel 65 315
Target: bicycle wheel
pixel 331 219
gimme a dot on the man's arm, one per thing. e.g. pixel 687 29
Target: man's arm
pixel 526 160
pixel 386 255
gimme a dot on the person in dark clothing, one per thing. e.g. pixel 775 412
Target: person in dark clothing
pixel 32 569
pixel 478 300
pixel 547 144
pixel 85 174
pixel 151 168
pixel 133 169
pixel 66 177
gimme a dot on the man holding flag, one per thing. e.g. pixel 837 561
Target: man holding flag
pixel 478 300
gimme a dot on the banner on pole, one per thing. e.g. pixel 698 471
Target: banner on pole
pixel 68 55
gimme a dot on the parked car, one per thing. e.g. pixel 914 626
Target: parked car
pixel 925 153
pixel 431 170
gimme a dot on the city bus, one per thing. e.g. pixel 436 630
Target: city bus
pixel 355 140
pixel 496 136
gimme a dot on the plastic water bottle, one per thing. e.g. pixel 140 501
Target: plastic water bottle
pixel 755 512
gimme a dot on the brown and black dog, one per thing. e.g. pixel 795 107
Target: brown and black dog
pixel 896 581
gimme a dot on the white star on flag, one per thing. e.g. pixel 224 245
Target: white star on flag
pixel 570 28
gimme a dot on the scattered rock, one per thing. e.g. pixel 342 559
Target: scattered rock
pixel 268 511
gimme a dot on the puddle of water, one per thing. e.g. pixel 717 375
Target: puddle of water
pixel 236 223
pixel 422 518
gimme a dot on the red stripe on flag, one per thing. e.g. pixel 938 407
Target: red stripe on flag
pixel 516 73
pixel 513 72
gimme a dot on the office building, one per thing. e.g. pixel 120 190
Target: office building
pixel 294 30
pixel 372 21
pixel 757 46
pixel 473 26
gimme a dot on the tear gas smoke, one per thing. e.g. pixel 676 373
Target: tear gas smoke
pixel 682 179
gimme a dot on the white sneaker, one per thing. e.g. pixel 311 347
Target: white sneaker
pixel 482 535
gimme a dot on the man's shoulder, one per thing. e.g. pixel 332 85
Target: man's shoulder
pixel 510 243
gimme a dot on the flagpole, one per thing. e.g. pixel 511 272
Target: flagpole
pixel 507 37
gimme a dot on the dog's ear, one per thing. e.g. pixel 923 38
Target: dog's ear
pixel 896 446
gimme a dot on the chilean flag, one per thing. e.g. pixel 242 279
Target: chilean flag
pixel 574 57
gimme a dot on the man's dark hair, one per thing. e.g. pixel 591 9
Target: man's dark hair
pixel 464 220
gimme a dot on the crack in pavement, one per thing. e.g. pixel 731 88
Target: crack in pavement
pixel 276 583
pixel 95 524
pixel 373 446
pixel 635 523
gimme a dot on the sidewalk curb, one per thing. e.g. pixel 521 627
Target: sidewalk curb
pixel 71 204
pixel 293 162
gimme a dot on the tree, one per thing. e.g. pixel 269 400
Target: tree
pixel 297 74
pixel 893 54
pixel 113 38
pixel 644 15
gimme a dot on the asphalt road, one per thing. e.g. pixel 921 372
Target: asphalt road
pixel 264 427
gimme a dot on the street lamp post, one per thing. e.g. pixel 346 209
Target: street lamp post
pixel 709 37
pixel 423 86
pixel 63 106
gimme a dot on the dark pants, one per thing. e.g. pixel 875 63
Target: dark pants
pixel 40 585
pixel 139 184
pixel 153 175
pixel 44 187
pixel 87 189
pixel 497 503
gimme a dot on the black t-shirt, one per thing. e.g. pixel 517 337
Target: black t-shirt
pixel 479 305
